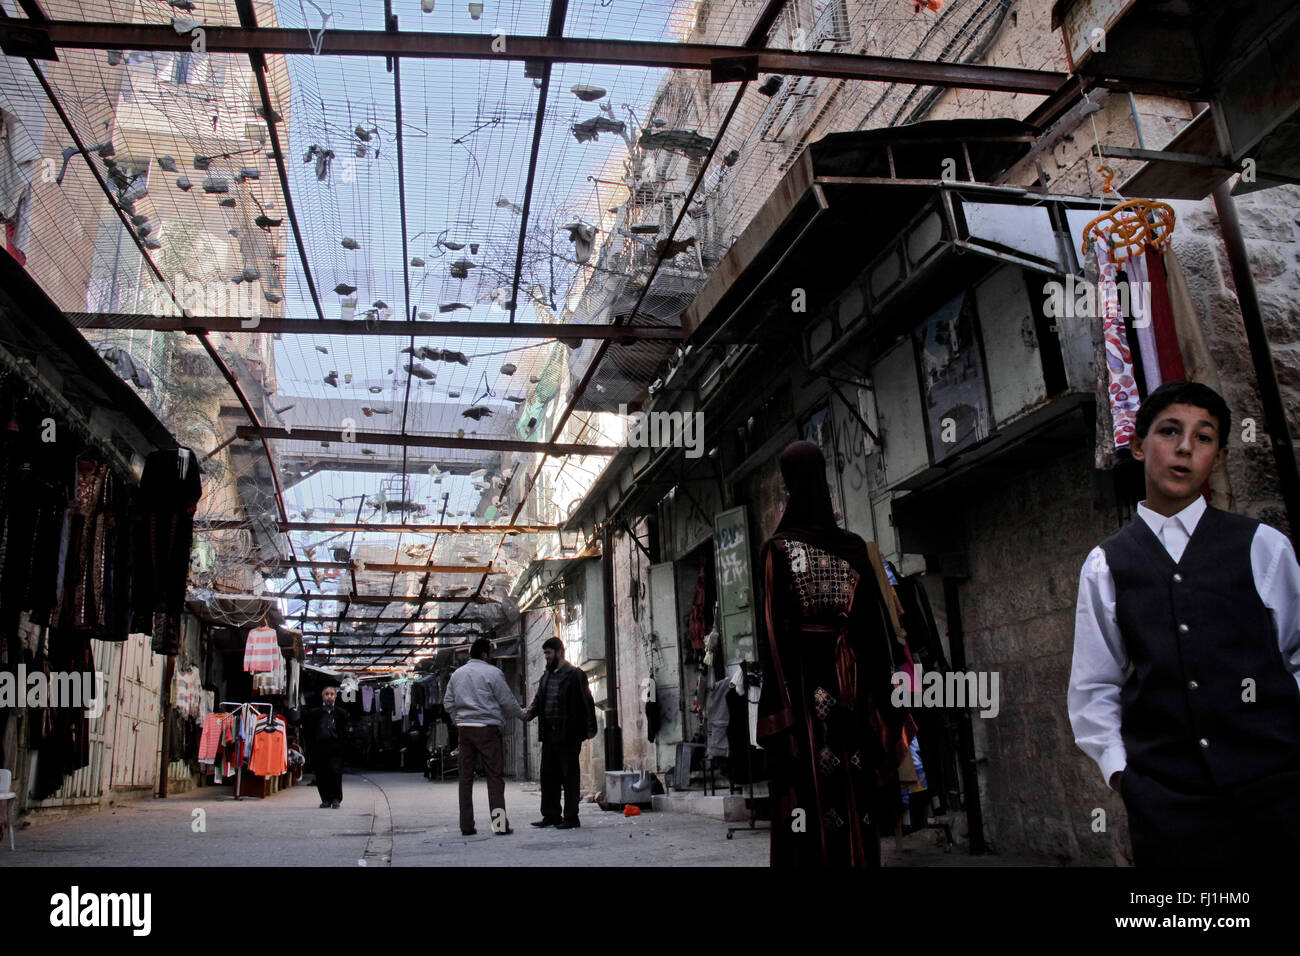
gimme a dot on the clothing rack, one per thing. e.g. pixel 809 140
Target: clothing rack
pixel 752 826
pixel 243 708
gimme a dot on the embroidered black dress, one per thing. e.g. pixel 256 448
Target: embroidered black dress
pixel 824 718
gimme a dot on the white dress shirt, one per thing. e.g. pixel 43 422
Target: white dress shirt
pixel 1100 660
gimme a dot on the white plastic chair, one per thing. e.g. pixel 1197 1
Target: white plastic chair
pixel 10 800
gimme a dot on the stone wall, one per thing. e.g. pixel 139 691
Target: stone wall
pixel 1026 542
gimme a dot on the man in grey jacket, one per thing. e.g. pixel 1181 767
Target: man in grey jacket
pixel 477 697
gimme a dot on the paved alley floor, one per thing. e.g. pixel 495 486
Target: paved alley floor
pixel 396 819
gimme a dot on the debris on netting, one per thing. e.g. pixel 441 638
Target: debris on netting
pixel 152 244
pixel 453 246
pixel 332 379
pixel 453 394
pixel 517 399
pixel 418 370
pixel 417 262
pixel 589 130
pixel 168 163
pixel 588 94
pixel 272 297
pixel 478 412
pixel 379 304
pixel 184 26
pixel 251 274
pixel 504 203
pixel 509 368
pixel 644 228
pixel 266 222
pixel 228 202
pixel 202 162
pixel 344 289
pixel 183 183
pixel 375 389
pixel 688 143
pixel 771 85
pixel 453 306
pixel 583 237
pixel 460 268
pixel 349 243
pixel 324 350
pixel 216 184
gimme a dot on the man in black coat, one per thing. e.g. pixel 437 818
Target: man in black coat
pixel 567 713
pixel 324 730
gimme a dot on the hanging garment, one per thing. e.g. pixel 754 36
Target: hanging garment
pixel 696 627
pixel 719 718
pixel 367 699
pixel 261 650
pixel 825 720
pixel 169 492
pixel 1162 320
pixel 1139 286
pixel 270 756
pixel 1123 392
pixel 216 730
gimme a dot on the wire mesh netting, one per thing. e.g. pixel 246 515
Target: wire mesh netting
pixel 173 206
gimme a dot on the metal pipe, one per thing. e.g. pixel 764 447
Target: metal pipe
pixel 613 732
pixel 1284 455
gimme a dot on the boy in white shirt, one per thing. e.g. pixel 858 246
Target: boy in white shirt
pixel 1184 686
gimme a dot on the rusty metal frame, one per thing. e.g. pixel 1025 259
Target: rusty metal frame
pixel 432 328
pixel 683 56
pixel 422 441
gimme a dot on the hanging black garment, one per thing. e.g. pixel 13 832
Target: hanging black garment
pixel 169 495
pixel 824 714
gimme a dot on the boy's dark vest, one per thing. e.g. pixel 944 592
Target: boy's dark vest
pixel 1195 631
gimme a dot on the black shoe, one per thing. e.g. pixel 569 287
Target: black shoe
pixel 324 804
pixel 568 825
pixel 546 823
pixel 468 832
pixel 335 805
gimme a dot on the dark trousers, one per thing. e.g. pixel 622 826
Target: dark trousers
pixel 329 775
pixel 486 743
pixel 1251 824
pixel 560 769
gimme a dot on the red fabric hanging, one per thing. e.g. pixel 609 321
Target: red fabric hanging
pixel 1162 322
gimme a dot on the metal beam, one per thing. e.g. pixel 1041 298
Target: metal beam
pixel 554 30
pixel 243 524
pixel 373 599
pixel 469 330
pixel 248 17
pixel 424 441
pixel 334 619
pixel 324 526
pixel 682 56
pixel 385 568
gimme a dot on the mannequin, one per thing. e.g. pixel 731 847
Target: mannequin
pixel 824 715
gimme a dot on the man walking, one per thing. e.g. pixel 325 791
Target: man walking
pixel 568 717
pixel 477 697
pixel 324 729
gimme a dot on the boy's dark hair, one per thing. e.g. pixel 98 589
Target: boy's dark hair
pixel 1184 393
pixel 480 648
pixel 553 644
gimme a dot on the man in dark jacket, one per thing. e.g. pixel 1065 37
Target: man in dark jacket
pixel 324 729
pixel 568 717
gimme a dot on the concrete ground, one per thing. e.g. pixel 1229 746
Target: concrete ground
pixel 396 819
